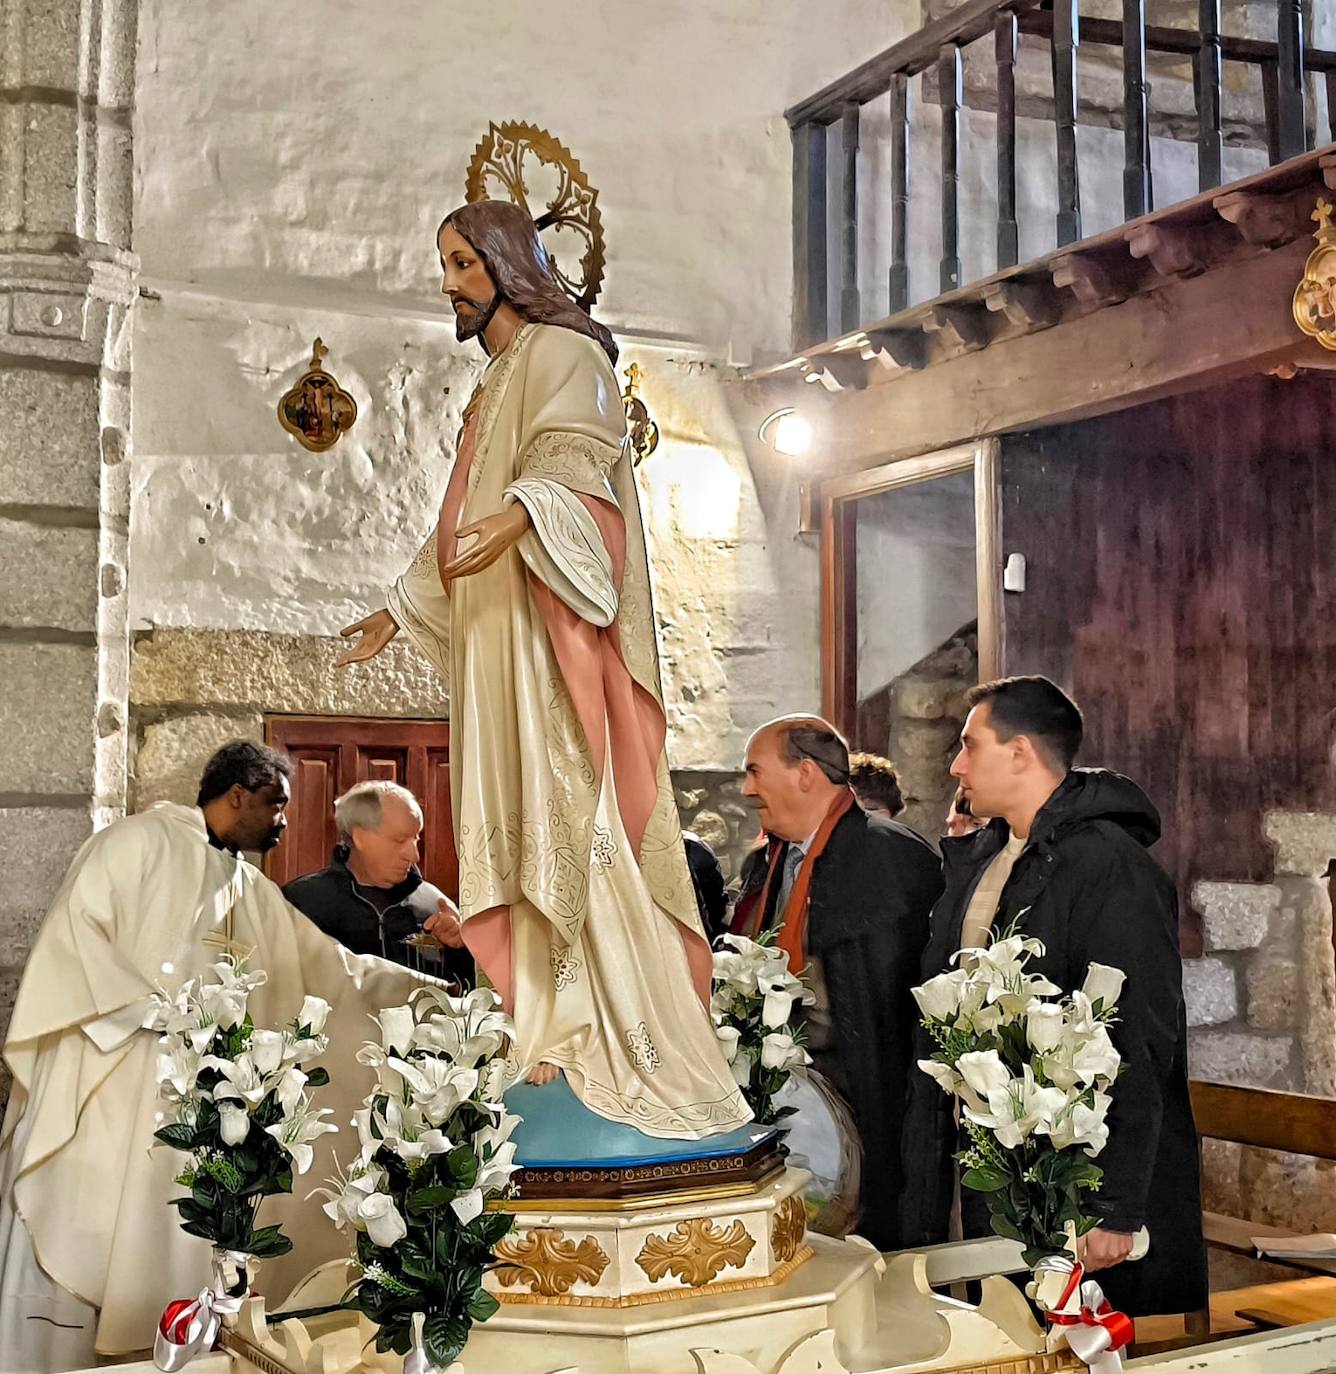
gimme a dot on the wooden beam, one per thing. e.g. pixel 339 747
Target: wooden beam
pixel 848 369
pixel 1266 221
pixel 1292 132
pixel 1177 42
pixel 911 55
pixel 1230 322
pixel 962 326
pixel 1269 1120
pixel 1094 280
pixel 1066 114
pixel 1136 123
pixel 850 309
pixel 1173 250
pixel 951 94
pixel 1206 65
pixel 1004 53
pixel 899 297
pixel 1028 304
pixel 904 347
pixel 810 324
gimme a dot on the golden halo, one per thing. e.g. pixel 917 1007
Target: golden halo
pixel 496 171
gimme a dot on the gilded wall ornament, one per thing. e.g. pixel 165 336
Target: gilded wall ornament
pixel 317 411
pixel 1315 296
pixel 787 1228
pixel 503 168
pixel 641 430
pixel 696 1251
pixel 547 1263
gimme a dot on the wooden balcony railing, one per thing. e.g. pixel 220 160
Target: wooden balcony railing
pixel 1285 66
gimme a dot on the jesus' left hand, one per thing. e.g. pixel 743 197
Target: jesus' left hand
pixel 495 534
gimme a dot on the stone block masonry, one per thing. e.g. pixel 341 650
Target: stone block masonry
pixel 67 282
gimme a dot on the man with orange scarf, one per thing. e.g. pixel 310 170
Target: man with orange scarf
pixel 850 895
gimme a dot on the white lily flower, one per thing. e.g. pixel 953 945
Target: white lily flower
pixel 380 1218
pixel 946 1078
pixel 984 1072
pixel 387 1079
pixel 1103 984
pixel 728 1037
pixel 396 1028
pixel 233 1123
pixel 296 1132
pixel 1096 1059
pixel 288 1092
pixel 266 1050
pixel 781 991
pixel 343 1207
pixel 438 1085
pixel 1045 1026
pixel 176 1069
pixel 241 1079
pixel 1019 1109
pixel 1083 1126
pixel 304 1050
pixel 313 1015
pixel 940 998
pixel 779 1050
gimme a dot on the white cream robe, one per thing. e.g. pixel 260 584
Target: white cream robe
pixel 603 948
pixel 89 1246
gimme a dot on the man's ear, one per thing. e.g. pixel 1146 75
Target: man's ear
pixel 236 796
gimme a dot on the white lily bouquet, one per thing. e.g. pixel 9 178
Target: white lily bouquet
pixel 1032 1070
pixel 239 1103
pixel 751 1005
pixel 435 1149
pixel 239 1107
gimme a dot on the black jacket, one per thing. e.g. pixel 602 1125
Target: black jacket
pixel 1088 889
pixel 331 899
pixel 872 889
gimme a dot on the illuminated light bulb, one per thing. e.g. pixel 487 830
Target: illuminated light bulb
pixel 786 432
pixel 169 968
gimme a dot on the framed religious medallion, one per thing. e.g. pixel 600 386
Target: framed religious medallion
pixel 527 166
pixel 317 411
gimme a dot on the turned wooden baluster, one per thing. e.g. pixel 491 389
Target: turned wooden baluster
pixel 1008 231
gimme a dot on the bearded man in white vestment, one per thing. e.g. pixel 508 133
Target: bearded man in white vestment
pixel 90 1250
pixel 532 598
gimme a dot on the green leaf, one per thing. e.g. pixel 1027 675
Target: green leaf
pixel 267 1242
pixel 317 1078
pixel 985 1180
pixel 424 1199
pixel 482 1306
pixel 463 1166
pixel 444 1337
pixel 1002 1226
pixel 178 1137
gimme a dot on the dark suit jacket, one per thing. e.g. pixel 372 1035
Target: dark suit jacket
pixel 871 892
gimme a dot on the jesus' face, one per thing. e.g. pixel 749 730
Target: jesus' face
pixel 466 282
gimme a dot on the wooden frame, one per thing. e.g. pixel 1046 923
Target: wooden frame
pixel 839 574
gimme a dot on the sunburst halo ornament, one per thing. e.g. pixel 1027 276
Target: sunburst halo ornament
pixel 497 170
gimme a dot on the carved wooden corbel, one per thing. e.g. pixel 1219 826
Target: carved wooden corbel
pixel 1028 304
pixel 965 327
pixel 905 347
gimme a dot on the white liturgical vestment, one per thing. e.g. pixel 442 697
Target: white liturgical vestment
pixel 90 1250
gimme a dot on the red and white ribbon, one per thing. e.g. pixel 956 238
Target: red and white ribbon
pixel 1096 1333
pixel 189 1326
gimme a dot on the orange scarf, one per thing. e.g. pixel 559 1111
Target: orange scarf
pixel 793 931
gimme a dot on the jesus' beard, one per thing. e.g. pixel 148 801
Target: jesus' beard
pixel 472 322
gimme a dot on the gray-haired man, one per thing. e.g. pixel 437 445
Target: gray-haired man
pixel 372 898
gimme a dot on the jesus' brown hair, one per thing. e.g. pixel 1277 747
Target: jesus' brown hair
pixel 507 241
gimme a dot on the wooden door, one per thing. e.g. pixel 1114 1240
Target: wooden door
pixel 331 753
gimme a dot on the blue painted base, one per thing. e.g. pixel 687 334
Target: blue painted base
pixel 559 1132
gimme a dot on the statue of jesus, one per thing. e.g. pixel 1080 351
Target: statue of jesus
pixel 532 597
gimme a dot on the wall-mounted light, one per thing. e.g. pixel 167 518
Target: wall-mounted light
pixel 786 432
pixel 640 427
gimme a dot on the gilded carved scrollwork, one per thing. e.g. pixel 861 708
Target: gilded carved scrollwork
pixel 1315 296
pixel 548 1264
pixel 787 1228
pixel 695 1251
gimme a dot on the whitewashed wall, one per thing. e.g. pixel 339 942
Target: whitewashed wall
pixel 290 175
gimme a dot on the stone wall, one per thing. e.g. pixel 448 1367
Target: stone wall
pixel 915 721
pixel 1261 1004
pixel 67 282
